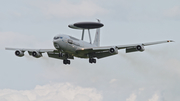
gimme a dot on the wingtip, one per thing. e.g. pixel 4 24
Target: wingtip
pixel 170 41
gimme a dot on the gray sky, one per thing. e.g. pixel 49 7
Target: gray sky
pixel 152 75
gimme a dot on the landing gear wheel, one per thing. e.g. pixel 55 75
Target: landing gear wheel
pixel 66 62
pixel 92 60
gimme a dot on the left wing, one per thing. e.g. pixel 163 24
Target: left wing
pixel 101 52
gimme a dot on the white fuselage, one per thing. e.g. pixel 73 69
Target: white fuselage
pixel 69 45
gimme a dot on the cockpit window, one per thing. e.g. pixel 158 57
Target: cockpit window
pixel 55 38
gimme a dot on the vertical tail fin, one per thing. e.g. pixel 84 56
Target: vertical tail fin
pixel 97 38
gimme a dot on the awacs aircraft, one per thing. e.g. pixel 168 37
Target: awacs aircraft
pixel 68 47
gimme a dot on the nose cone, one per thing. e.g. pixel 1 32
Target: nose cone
pixel 55 42
pixel 56 45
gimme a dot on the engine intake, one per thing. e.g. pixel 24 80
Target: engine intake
pixel 36 54
pixel 19 53
pixel 140 48
pixel 135 49
pixel 113 50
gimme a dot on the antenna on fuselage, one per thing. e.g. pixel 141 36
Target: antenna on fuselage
pixel 86 26
pixel 82 35
pixel 89 36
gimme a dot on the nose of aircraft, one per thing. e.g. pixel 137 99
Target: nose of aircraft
pixel 55 42
pixel 56 45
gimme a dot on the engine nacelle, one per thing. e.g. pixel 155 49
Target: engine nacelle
pixel 140 48
pixel 19 53
pixel 113 50
pixel 36 54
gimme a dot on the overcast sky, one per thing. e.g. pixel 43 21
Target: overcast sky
pixel 152 75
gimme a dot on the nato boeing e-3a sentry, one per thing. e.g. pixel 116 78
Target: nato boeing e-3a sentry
pixel 68 47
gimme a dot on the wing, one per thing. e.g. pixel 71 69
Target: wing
pixel 143 44
pixel 53 53
pixel 31 50
pixel 101 52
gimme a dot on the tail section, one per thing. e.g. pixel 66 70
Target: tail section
pixel 97 36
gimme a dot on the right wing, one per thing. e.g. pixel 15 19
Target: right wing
pixel 101 52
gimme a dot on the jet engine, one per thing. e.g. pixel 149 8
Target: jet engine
pixel 36 54
pixel 113 50
pixel 140 48
pixel 19 53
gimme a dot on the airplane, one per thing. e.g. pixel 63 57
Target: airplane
pixel 68 47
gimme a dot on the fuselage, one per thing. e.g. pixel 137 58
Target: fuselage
pixel 69 45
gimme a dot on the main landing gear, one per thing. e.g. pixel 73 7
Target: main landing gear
pixel 67 62
pixel 91 60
